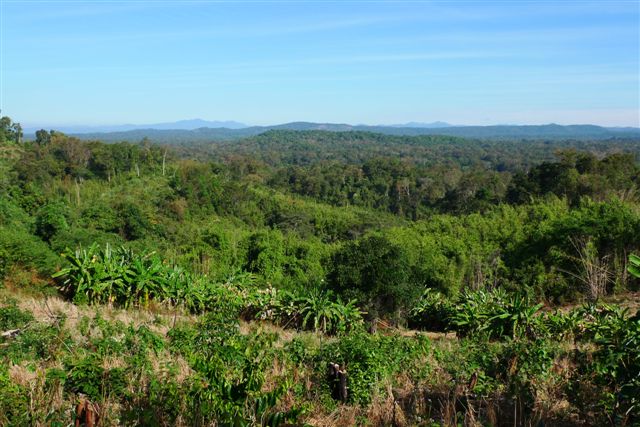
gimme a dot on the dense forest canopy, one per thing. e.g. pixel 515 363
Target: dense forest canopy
pixel 286 203
pixel 323 231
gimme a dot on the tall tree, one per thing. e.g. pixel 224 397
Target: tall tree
pixel 10 131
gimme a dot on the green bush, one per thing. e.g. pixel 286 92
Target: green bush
pixel 376 273
pixel 51 219
pixel 74 237
pixel 37 342
pixel 14 401
pixel 369 359
pixel 471 356
pixel 133 224
pixel 22 249
pixel 494 314
pixel 523 364
pixel 230 371
pixel 433 312
pixel 11 317
pixel 86 376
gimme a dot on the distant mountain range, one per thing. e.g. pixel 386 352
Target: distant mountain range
pixel 179 125
pixel 201 131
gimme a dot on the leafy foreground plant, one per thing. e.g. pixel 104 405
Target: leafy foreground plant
pixel 433 312
pixel 370 359
pixel 231 374
pixel 616 362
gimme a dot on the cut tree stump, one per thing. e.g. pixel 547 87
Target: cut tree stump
pixel 10 333
pixel 337 377
pixel 87 414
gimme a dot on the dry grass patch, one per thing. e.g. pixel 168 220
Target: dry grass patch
pixel 342 416
pixel 50 309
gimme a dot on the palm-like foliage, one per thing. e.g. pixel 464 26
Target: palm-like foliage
pixel 561 325
pixel 495 314
pixel 616 360
pixel 433 311
pixel 350 316
pixel 94 275
pixel 119 276
pixel 319 311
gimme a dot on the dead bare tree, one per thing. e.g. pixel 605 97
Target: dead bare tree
pixel 593 270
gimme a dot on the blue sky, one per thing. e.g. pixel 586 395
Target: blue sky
pixel 266 62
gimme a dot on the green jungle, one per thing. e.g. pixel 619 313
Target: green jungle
pixel 319 278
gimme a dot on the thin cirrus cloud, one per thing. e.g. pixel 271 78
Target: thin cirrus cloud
pixel 283 64
pixel 544 35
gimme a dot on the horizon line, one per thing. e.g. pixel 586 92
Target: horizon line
pixel 243 125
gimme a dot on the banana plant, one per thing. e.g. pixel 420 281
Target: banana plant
pixel 349 315
pixel 79 278
pixel 97 275
pixel 516 317
pixel 318 309
pixel 144 279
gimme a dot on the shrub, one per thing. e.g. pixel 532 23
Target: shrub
pixel 11 317
pixel 133 223
pixel 38 341
pixel 433 312
pixel 86 376
pixel 23 249
pixel 14 401
pixel 369 359
pixel 471 356
pixel 51 219
pixel 231 372
pixel 375 272
pixel 318 311
pixel 494 314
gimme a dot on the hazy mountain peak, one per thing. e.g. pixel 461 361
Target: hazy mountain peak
pixel 432 125
pixel 191 124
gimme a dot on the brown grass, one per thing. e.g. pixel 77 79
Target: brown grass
pixel 342 416
pixel 386 411
pixel 42 399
